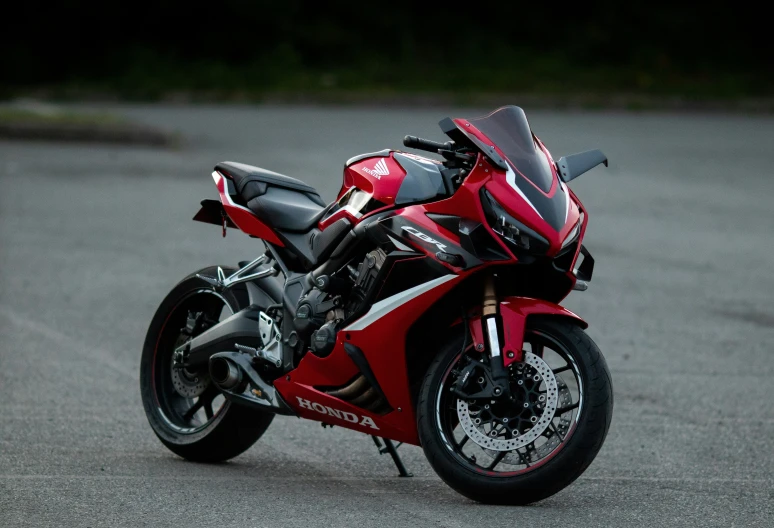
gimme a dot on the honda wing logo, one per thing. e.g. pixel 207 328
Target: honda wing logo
pixel 379 170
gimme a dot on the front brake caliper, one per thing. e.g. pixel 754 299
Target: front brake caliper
pixel 474 382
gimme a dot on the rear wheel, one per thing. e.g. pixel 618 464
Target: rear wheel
pixel 523 449
pixel 185 409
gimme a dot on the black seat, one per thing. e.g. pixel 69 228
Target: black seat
pixel 280 201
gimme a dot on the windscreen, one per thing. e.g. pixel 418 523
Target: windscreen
pixel 509 130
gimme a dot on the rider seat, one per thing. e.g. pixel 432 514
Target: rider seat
pixel 279 201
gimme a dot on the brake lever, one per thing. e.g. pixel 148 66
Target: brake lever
pixel 452 155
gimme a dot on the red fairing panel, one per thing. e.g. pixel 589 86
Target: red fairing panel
pixel 417 215
pixel 582 234
pixel 335 217
pixel 514 312
pixel 476 330
pixel 379 176
pixel 503 187
pixel 381 335
pixel 573 214
pixel 465 203
pixel 242 216
pixel 503 192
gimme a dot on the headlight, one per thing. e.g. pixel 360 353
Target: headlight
pixel 517 236
pixel 573 234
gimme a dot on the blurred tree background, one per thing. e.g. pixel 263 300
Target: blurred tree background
pixel 236 49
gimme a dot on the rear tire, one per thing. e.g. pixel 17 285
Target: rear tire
pixel 547 476
pixel 231 429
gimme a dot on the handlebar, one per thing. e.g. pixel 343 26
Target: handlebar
pixel 426 144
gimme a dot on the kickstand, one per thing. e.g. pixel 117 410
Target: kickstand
pixel 392 449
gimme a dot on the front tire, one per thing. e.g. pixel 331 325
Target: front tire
pixel 185 410
pixel 568 443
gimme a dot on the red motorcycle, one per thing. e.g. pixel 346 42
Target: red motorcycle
pixel 419 307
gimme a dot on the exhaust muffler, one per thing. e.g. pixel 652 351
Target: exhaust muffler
pixel 225 373
pixel 233 374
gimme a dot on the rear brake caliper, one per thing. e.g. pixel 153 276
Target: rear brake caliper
pixel 195 323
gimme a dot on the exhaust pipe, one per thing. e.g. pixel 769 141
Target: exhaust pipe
pixel 233 373
pixel 224 373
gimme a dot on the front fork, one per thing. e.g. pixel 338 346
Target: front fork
pixel 490 321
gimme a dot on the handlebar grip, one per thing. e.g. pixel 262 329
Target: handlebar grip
pixel 425 144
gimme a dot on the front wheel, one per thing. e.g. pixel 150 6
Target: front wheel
pixel 527 447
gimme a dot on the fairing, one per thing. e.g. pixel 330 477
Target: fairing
pixel 436 239
pixel 395 178
pixel 381 334
pixel 530 172
pixel 380 176
pixel 241 216
pixel 509 130
pixel 381 180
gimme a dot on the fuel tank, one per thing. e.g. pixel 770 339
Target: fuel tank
pixel 385 179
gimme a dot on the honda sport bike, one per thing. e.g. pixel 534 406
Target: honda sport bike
pixel 419 307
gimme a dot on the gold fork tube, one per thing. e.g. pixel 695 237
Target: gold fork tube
pixel 490 297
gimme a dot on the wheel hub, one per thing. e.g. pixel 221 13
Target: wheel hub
pixel 511 424
pixel 189 384
pixel 553 436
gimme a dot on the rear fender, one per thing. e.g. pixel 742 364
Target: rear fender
pixel 212 212
pixel 243 217
pixel 514 312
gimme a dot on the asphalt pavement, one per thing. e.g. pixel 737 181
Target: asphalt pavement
pixel 92 237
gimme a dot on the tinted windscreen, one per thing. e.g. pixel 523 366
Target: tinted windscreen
pixel 508 128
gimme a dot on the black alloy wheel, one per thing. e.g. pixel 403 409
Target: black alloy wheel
pixel 185 409
pixel 527 447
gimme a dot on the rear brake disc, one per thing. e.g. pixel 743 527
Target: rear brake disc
pixel 189 384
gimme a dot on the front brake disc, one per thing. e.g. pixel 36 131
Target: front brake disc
pixel 527 437
pixel 553 437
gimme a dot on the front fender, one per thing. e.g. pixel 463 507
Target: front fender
pixel 514 312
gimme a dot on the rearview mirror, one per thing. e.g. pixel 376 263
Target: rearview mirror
pixel 570 167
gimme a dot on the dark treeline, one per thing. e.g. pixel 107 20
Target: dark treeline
pixel 289 44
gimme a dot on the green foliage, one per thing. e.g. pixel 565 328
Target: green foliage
pixel 248 50
pixel 12 115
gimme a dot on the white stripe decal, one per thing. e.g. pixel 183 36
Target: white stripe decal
pixel 217 177
pixel 567 203
pixel 510 177
pixel 400 245
pixel 354 212
pixel 389 304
